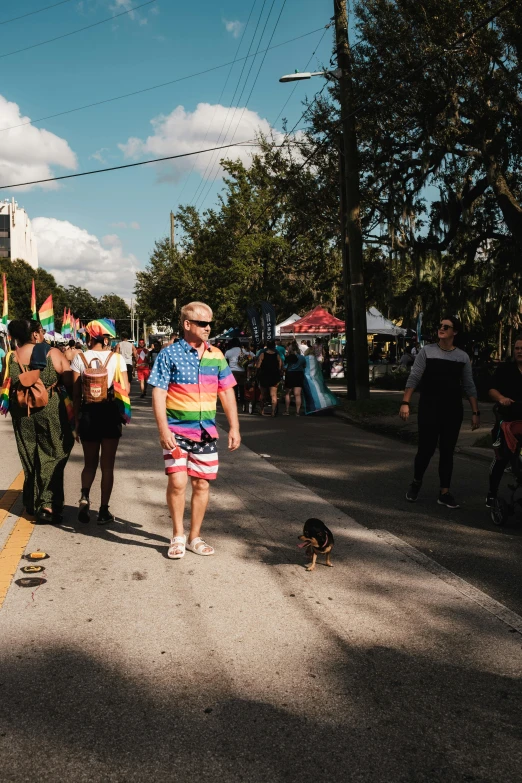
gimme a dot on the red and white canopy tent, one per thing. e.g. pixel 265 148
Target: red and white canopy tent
pixel 317 322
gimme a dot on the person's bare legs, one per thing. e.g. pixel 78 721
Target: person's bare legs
pixel 177 483
pixel 287 401
pixel 273 397
pixel 91 456
pixel 198 506
pixel 109 447
pixel 297 395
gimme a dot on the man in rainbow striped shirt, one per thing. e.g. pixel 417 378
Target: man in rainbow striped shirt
pixel 187 377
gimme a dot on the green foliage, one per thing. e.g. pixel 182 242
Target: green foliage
pixel 83 304
pixel 258 245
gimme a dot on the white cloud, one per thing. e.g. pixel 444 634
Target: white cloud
pixel 98 155
pixel 135 225
pixel 76 257
pixel 235 27
pixel 181 132
pixel 27 153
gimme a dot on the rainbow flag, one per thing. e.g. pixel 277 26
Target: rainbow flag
pixel 34 314
pixel 47 315
pixel 5 311
pixel 121 398
pixel 66 326
pixel 4 390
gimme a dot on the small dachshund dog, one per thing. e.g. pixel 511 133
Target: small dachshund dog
pixel 318 540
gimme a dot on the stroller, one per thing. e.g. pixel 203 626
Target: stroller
pixel 504 508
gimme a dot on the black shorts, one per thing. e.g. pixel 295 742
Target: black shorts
pixel 99 421
pixel 294 379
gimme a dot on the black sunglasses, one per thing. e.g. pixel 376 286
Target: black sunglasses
pixel 200 323
pixel 445 327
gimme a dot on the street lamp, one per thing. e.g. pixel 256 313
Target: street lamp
pixel 353 278
pixel 300 75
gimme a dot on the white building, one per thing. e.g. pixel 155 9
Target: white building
pixel 16 236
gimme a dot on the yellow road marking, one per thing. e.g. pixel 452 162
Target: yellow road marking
pixel 12 552
pixel 10 497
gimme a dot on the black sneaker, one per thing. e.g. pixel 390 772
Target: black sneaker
pixel 413 491
pixel 490 500
pixel 84 509
pixel 447 500
pixel 105 516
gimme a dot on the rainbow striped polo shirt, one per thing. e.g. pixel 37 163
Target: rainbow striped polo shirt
pixel 192 385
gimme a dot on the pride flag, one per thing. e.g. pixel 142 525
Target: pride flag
pixel 47 315
pixel 66 326
pixel 34 314
pixel 121 398
pixel 5 316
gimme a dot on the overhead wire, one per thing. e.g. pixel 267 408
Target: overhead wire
pixel 252 142
pixel 220 97
pixel 221 137
pixel 154 86
pixel 79 30
pixel 251 89
pixel 304 69
pixel 485 22
pixel 248 142
pixel 32 13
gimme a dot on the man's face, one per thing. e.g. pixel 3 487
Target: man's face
pixel 194 331
pixel 141 343
pixel 518 351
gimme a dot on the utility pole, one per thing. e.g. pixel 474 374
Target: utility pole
pixel 348 315
pixel 353 203
pixel 172 230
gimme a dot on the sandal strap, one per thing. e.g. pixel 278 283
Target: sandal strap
pixel 198 544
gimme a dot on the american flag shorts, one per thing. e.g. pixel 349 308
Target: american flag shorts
pixel 198 459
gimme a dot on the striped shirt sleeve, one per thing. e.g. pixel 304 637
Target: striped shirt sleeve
pixel 225 378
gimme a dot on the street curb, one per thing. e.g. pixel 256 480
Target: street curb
pixel 467 451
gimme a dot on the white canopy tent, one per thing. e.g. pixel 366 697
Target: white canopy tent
pixel 376 323
pixel 290 320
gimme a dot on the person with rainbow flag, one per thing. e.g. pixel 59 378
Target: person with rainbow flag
pixel 99 423
pixel 43 435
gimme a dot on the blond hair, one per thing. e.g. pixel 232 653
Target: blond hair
pixel 190 311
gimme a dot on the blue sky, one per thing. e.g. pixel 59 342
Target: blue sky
pixel 96 230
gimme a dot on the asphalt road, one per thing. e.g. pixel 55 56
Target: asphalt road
pixel 128 667
pixel 366 475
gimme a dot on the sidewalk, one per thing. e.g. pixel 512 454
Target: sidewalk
pixel 126 666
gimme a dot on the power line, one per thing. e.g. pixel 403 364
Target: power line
pixel 221 137
pixel 220 97
pixel 155 86
pixel 79 30
pixel 422 66
pixel 249 142
pixel 203 199
pixel 304 69
pixel 32 13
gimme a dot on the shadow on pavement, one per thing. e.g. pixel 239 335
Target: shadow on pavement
pixel 398 717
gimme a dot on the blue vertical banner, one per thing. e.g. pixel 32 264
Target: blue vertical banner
pixel 419 328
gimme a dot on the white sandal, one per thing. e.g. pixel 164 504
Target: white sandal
pixel 176 543
pixel 197 545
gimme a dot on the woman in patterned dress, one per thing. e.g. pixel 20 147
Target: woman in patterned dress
pixel 44 438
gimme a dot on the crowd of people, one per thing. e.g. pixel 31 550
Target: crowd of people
pixel 79 393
